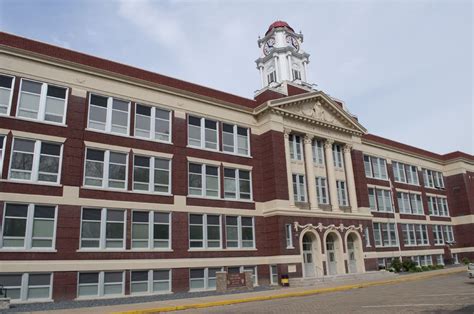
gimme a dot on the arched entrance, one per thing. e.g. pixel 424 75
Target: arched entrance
pixel 334 256
pixel 311 251
pixel 354 253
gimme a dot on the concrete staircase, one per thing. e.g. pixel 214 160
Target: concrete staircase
pixel 350 278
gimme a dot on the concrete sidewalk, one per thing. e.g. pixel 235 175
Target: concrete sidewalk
pixel 225 299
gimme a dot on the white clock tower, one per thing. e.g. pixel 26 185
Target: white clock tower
pixel 282 58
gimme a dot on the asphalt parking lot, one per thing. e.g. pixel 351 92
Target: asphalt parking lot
pixel 443 294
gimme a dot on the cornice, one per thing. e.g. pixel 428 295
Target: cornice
pixel 282 50
pixel 316 214
pixel 28 55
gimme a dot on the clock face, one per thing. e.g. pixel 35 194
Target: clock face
pixel 293 41
pixel 269 44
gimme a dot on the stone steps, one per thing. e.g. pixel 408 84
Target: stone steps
pixel 372 275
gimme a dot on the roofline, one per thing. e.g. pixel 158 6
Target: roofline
pixel 397 146
pixel 71 56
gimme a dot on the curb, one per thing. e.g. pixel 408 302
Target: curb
pixel 289 294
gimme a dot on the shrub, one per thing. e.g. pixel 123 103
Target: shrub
pixel 396 265
pixel 425 268
pixel 408 264
pixel 416 269
pixel 439 266
pixel 465 260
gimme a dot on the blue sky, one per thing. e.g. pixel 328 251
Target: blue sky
pixel 404 67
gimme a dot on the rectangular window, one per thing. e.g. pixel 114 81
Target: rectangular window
pixel 342 193
pixel 412 175
pixel 271 77
pixel 153 123
pixel 151 174
pixel 405 173
pixel 203 180
pixel 237 184
pixel 204 231
pixel 203 133
pixel 235 139
pixel 203 278
pixel 109 114
pixel 240 232
pixel 41 101
pixel 6 94
pixel 151 230
pixel 439 259
pixel 438 234
pixel 2 151
pixel 322 190
pixel 433 179
pixel 415 234
pixel 295 147
pixel 106 169
pixel 448 234
pixel 289 236
pixel 27 286
pixel 375 167
pixel 103 228
pixel 296 74
pixel 35 161
pixel 150 281
pixel 318 152
pixel 28 226
pixel 385 234
pixel 337 156
pixel 380 200
pixel 101 284
pixel 273 275
pixel 253 271
pixel 299 188
pixel 409 203
pixel 438 206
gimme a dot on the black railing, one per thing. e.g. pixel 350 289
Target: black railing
pixel 3 292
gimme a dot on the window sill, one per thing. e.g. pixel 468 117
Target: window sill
pixel 11 250
pixel 220 199
pixel 217 151
pixel 238 200
pixel 387 246
pixel 239 249
pixel 207 250
pixel 290 247
pixel 149 193
pixel 31 182
pixel 200 290
pixel 16 301
pixel 152 140
pixel 101 250
pixel 96 297
pixel 387 180
pixel 440 216
pixel 411 214
pixel 144 294
pixel 400 182
pixel 37 121
pixel 149 250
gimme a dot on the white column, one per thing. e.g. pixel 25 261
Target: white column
pixel 310 178
pixel 290 72
pixel 331 175
pixel 277 68
pixel 288 167
pixel 304 72
pixel 350 178
pixel 261 75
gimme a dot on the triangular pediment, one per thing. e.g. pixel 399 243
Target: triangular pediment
pixel 317 108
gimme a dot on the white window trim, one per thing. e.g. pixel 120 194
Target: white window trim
pixel 205 278
pixel 150 283
pixel 100 285
pixel 342 193
pixel 105 174
pixel 235 139
pixel 153 123
pixel 314 147
pixel 239 233
pixel 29 230
pixel 203 181
pixel 24 288
pixel 108 119
pixel 12 87
pixel 272 282
pixel 36 162
pixel 382 169
pixel 103 230
pixel 300 192
pixel 151 225
pixel 377 207
pixel 205 245
pixel 380 231
pixel 289 236
pixel 2 154
pixel 319 190
pixel 42 103
pixel 255 272
pixel 435 176
pixel 337 156
pixel 202 129
pixel 237 185
pixel 151 173
pixel 294 147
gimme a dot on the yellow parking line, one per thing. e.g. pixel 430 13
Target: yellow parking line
pixel 289 294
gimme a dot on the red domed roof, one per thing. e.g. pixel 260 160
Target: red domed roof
pixel 278 24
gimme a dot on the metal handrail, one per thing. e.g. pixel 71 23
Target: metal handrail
pixel 3 291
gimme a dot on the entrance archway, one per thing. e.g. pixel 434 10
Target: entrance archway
pixel 355 259
pixel 334 255
pixel 311 253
